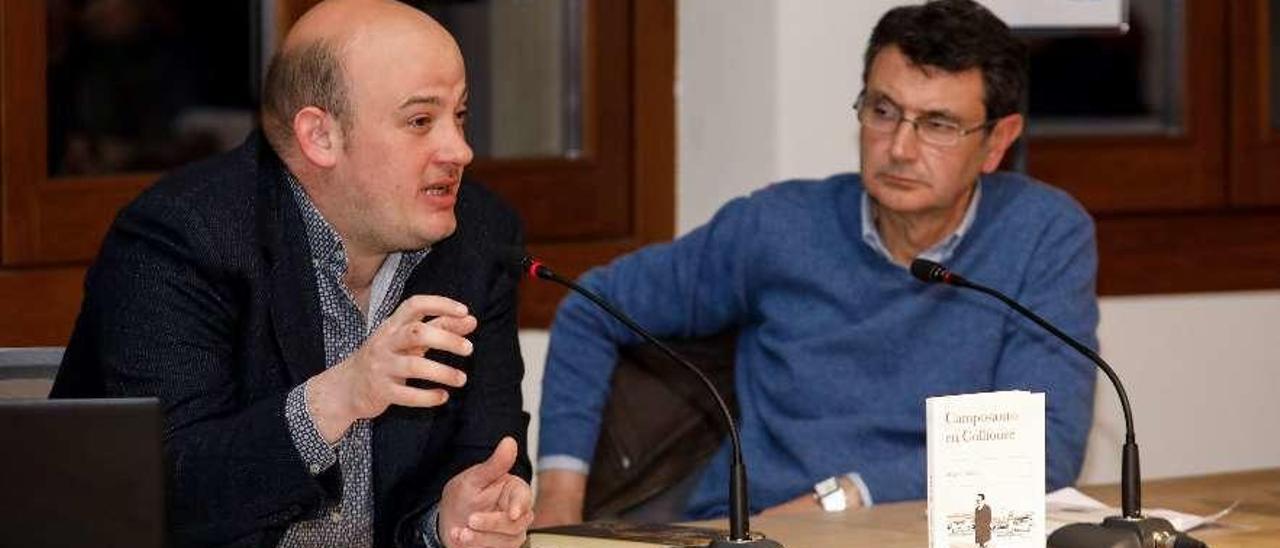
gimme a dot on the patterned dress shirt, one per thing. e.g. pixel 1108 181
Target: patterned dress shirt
pixel 349 522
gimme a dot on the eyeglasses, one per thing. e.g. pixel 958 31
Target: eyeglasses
pixel 883 116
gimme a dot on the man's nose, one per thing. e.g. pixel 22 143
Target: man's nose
pixel 906 142
pixel 455 150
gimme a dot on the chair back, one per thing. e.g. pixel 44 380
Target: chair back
pixel 660 425
pixel 28 372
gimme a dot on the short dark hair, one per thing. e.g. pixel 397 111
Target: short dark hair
pixel 955 36
pixel 309 75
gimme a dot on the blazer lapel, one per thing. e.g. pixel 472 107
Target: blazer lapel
pixel 402 435
pixel 295 310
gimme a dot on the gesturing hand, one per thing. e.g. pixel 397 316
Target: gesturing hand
pixel 373 377
pixel 485 505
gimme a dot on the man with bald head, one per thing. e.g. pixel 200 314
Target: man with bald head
pixel 319 311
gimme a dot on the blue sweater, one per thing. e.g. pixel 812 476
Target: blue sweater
pixel 838 347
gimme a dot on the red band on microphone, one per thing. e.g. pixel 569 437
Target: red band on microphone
pixel 534 266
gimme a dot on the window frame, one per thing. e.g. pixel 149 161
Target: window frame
pixel 1192 212
pixel 617 196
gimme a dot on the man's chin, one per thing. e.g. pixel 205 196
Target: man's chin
pixel 436 232
pixel 903 202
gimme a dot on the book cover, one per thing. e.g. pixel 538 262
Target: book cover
pixel 986 470
pixel 617 534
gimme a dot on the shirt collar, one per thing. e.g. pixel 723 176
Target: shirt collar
pixel 940 252
pixel 327 250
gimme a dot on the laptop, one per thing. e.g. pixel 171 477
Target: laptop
pixel 81 473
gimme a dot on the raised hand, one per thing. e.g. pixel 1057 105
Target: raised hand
pixel 373 377
pixel 486 505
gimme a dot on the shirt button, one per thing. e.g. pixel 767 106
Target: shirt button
pixel 335 517
pixel 315 469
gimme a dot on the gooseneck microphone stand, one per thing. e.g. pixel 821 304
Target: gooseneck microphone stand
pixel 1129 530
pixel 740 535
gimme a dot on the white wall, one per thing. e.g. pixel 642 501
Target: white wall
pixel 727 94
pixel 533 347
pixel 764 93
pixel 1201 372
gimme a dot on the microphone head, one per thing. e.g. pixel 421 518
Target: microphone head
pixel 514 257
pixel 928 271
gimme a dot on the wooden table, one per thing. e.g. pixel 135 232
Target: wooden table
pixel 1255 523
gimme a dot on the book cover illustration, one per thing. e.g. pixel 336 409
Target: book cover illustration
pixel 986 470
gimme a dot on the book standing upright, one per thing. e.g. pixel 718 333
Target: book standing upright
pixel 986 455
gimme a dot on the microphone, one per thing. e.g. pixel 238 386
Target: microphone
pixel 740 535
pixel 1129 529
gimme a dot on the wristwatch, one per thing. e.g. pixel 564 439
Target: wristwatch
pixel 831 495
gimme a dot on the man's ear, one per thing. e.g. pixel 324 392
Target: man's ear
pixel 319 136
pixel 1003 134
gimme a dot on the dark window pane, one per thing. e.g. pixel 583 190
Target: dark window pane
pixel 1274 81
pixel 146 85
pixel 1111 84
pixel 523 73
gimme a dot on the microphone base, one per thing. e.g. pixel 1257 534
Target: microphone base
pixel 757 541
pixel 1120 532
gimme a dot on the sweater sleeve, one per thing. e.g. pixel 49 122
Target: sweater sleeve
pixel 1059 285
pixel 691 287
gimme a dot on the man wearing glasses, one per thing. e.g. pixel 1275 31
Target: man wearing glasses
pixel 838 345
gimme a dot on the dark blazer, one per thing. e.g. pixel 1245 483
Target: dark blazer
pixel 204 295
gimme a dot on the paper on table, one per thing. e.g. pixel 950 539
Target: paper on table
pixel 1069 505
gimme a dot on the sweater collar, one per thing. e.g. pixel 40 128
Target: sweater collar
pixel 940 252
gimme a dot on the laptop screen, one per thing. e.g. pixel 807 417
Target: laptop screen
pixel 81 472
